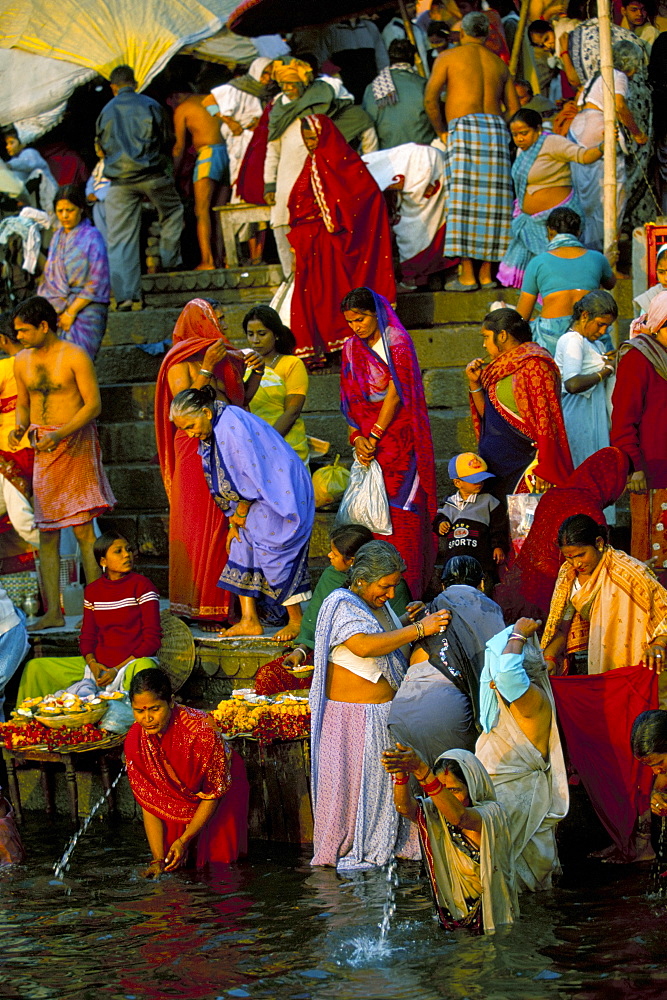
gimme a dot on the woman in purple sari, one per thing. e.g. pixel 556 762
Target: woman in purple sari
pixel 76 276
pixel 264 488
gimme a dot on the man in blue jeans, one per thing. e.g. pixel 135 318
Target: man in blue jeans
pixel 136 140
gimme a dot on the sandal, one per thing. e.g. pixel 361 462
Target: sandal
pixel 455 286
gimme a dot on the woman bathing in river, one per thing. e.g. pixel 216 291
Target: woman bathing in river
pixel 465 837
pixel 190 784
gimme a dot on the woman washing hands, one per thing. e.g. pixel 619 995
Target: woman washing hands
pixel 190 784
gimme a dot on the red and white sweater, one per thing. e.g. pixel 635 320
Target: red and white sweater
pixel 121 618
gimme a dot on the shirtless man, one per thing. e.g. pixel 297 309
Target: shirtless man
pixel 58 399
pixel 479 90
pixel 521 750
pixel 211 168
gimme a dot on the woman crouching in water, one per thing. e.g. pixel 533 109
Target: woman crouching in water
pixel 465 837
pixel 190 784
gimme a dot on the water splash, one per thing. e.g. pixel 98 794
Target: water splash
pixel 62 866
pixel 366 949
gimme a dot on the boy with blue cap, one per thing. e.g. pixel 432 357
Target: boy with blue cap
pixel 472 522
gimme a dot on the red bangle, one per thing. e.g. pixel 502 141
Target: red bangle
pixel 433 788
pixel 401 778
pixel 354 435
pixel 377 431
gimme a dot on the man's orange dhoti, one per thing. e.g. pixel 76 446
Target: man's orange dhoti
pixel 70 486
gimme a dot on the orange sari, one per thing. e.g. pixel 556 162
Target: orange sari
pixel 197 526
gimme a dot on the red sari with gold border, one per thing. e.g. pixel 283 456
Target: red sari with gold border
pixel 172 773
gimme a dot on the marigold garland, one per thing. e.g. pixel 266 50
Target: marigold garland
pixel 283 720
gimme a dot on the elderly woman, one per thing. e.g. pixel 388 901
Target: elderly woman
pixel 334 206
pixel 191 786
pixel 639 409
pixel 542 182
pixel 584 369
pixel 465 837
pixel 282 392
pixel 201 355
pixel 436 707
pixel 360 660
pixel 382 399
pixel 76 276
pixel 266 492
pixel 559 277
pixel 587 128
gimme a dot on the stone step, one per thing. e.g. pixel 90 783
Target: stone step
pixel 425 309
pixel 124 443
pixel 246 284
pixel 137 487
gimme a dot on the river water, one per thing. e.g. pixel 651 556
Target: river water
pixel 274 928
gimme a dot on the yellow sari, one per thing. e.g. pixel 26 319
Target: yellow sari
pixel 625 606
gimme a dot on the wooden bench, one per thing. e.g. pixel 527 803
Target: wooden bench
pixel 86 761
pixel 232 218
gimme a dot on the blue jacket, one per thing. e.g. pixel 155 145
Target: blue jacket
pixel 134 133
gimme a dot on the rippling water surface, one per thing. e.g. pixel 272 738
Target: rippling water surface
pixel 272 927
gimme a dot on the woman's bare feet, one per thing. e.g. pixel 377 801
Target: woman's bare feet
pixel 247 626
pixel 47 621
pixel 288 632
pixel 210 626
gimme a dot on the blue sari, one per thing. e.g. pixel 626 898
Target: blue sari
pixel 245 459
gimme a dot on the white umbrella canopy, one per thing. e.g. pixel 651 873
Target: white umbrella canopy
pixel 35 90
pixel 101 34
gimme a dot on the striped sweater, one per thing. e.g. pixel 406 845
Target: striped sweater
pixel 121 618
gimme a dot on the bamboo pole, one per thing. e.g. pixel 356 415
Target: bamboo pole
pixel 518 38
pixel 609 113
pixel 407 24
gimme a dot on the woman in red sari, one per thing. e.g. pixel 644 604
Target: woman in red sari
pixel 527 589
pixel 190 784
pixel 382 399
pixel 340 235
pixel 201 355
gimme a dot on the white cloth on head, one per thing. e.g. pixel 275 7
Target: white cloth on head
pixel 420 218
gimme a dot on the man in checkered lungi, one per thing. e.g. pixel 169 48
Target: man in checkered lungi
pixel 479 93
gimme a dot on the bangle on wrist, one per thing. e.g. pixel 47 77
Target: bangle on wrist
pixel 401 778
pixel 420 630
pixel 481 389
pixel 377 431
pixel 432 788
pixel 517 635
pixel 354 435
pixel 206 372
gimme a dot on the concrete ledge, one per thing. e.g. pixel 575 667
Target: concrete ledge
pixel 145 327
pixel 432 308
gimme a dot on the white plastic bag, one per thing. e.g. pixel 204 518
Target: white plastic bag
pixel 365 499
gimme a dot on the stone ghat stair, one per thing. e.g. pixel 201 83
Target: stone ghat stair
pixel 445 329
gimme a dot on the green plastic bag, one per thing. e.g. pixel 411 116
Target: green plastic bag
pixel 329 483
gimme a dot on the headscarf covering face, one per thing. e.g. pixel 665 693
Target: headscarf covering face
pixel 507 672
pixel 653 320
pixel 480 786
pixel 292 71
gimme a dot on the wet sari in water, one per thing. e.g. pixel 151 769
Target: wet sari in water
pixel 197 528
pixel 405 450
pixel 172 773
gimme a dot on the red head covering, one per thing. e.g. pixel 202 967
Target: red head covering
pixel 594 485
pixel 195 329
